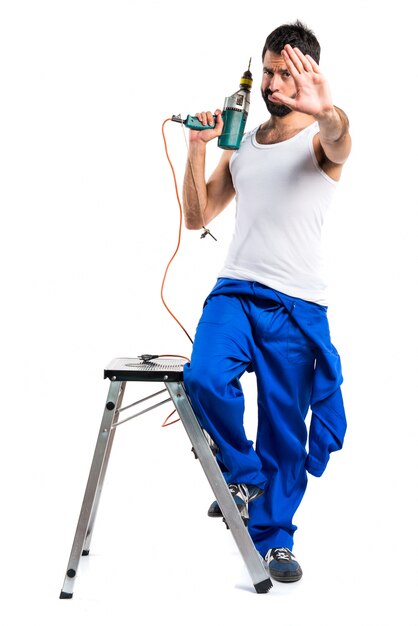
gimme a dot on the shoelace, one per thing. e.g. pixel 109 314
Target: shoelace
pixel 241 491
pixel 281 554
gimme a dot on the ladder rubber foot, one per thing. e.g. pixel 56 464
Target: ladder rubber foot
pixel 264 586
pixel 65 596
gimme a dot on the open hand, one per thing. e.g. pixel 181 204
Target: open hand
pixel 312 95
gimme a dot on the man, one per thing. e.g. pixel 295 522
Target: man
pixel 268 310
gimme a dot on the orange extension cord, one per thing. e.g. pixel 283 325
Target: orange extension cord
pixel 178 237
pixel 166 422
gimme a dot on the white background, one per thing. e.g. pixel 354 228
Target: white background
pixel 89 220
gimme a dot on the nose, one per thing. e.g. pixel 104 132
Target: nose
pixel 275 82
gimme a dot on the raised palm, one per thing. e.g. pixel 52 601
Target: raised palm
pixel 312 95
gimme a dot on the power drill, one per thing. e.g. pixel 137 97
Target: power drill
pixel 234 115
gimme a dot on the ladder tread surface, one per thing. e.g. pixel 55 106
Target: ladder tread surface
pixel 163 369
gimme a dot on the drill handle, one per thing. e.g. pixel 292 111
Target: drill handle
pixel 193 123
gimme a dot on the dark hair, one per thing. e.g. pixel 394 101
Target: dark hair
pixel 297 35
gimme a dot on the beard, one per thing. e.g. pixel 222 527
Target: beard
pixel 279 110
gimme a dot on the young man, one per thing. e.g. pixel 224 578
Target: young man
pixel 268 310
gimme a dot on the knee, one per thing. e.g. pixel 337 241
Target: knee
pixel 196 376
pixel 203 377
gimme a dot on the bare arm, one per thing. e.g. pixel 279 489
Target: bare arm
pixel 202 200
pixel 334 135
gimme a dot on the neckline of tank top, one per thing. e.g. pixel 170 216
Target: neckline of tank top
pixel 264 146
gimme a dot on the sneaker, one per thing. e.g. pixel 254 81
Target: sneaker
pixel 283 566
pixel 242 494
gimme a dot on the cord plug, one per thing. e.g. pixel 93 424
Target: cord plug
pixel 207 232
pixel 148 357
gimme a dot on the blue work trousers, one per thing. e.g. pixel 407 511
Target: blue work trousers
pixel 245 327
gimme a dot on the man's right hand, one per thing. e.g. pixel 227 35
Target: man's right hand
pixel 207 118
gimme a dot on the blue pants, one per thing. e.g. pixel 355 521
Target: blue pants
pixel 245 327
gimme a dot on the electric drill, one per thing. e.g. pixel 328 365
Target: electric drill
pixel 234 115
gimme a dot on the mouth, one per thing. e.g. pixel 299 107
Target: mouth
pixel 269 95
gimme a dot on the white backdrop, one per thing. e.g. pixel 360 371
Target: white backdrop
pixel 89 222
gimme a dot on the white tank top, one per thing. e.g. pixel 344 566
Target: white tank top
pixel 282 196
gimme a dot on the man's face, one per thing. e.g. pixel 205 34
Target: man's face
pixel 276 80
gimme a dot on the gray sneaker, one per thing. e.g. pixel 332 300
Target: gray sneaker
pixel 242 494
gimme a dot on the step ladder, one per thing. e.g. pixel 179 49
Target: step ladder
pixel 169 371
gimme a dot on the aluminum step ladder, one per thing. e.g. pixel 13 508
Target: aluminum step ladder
pixel 170 372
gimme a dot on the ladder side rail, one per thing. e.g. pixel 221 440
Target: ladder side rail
pixel 94 486
pixel 115 422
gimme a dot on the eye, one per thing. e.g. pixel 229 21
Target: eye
pixel 267 72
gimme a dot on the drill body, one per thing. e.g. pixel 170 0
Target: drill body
pixel 234 115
